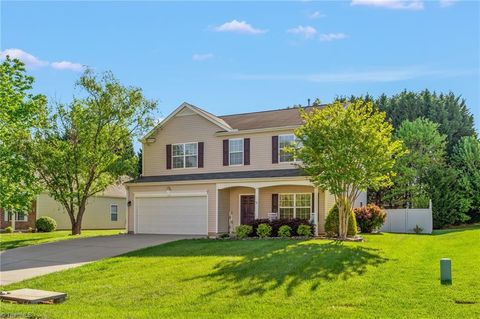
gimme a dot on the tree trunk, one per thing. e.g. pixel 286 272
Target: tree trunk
pixel 77 224
pixel 343 216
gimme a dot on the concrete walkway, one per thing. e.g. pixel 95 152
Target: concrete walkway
pixel 27 262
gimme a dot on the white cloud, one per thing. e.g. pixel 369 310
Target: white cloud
pixel 447 3
pixel 391 4
pixel 66 65
pixel 30 61
pixel 326 37
pixel 316 15
pixel 238 27
pixel 307 32
pixel 375 75
pixel 202 57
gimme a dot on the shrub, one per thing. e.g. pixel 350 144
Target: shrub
pixel 304 230
pixel 264 230
pixel 243 231
pixel 277 223
pixel 46 224
pixel 224 235
pixel 285 231
pixel 369 217
pixel 331 223
pixel 418 229
pixel 9 229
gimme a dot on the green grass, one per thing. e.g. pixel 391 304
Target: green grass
pixel 387 276
pixel 14 240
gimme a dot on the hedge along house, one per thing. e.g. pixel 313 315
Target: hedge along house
pixel 106 210
pixel 205 174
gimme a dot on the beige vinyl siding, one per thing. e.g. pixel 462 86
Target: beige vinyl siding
pixel 209 188
pixel 194 128
pixel 223 210
pixel 96 216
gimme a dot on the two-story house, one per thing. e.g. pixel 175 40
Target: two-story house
pixel 205 174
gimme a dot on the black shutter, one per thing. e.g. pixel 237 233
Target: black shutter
pixel 313 202
pixel 169 156
pixel 274 203
pixel 225 152
pixel 200 154
pixel 274 149
pixel 246 151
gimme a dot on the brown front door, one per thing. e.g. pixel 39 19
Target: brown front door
pixel 247 208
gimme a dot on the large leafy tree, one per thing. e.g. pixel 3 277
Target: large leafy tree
pixel 21 112
pixel 448 110
pixel 466 159
pixel 426 149
pixel 347 149
pixel 88 144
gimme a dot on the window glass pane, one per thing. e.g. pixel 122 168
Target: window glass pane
pixel 236 146
pixel 286 200
pixel 177 162
pixel 303 212
pixel 302 200
pixel 286 213
pixel 285 140
pixel 20 216
pixel 114 209
pixel 191 149
pixel 236 158
pixel 191 161
pixel 177 149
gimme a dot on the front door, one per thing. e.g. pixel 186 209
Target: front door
pixel 247 209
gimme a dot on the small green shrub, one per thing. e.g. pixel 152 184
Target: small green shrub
pixel 242 231
pixel 370 217
pixel 304 230
pixel 264 230
pixel 418 229
pixel 285 231
pixel 224 235
pixel 46 224
pixel 331 224
pixel 9 229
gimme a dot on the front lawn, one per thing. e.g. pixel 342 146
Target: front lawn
pixel 14 240
pixel 388 276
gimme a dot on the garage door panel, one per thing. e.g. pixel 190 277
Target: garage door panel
pixel 186 215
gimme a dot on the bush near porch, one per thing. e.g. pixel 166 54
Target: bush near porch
pixel 293 223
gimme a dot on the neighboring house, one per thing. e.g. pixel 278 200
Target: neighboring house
pixel 205 174
pixel 106 210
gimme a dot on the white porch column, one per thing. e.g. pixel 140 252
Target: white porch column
pixel 257 198
pixel 315 209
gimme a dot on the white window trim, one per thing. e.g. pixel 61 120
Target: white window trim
pixel 184 156
pixel 280 149
pixel 230 151
pixel 111 205
pixel 6 217
pixel 294 203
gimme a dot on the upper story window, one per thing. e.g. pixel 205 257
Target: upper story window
pixel 185 155
pixel 284 141
pixel 235 151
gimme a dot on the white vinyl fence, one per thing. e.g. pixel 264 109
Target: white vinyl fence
pixel 404 220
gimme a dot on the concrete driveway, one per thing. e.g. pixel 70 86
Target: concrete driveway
pixel 26 262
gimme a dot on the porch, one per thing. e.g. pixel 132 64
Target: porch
pixel 240 203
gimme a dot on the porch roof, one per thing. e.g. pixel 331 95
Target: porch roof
pixel 221 175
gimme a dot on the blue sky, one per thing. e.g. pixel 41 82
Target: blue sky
pixel 250 56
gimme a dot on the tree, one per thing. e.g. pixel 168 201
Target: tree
pixel 347 149
pixel 88 144
pixel 466 159
pixel 426 149
pixel 448 110
pixel 20 113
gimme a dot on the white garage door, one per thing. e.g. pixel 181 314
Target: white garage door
pixel 183 215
